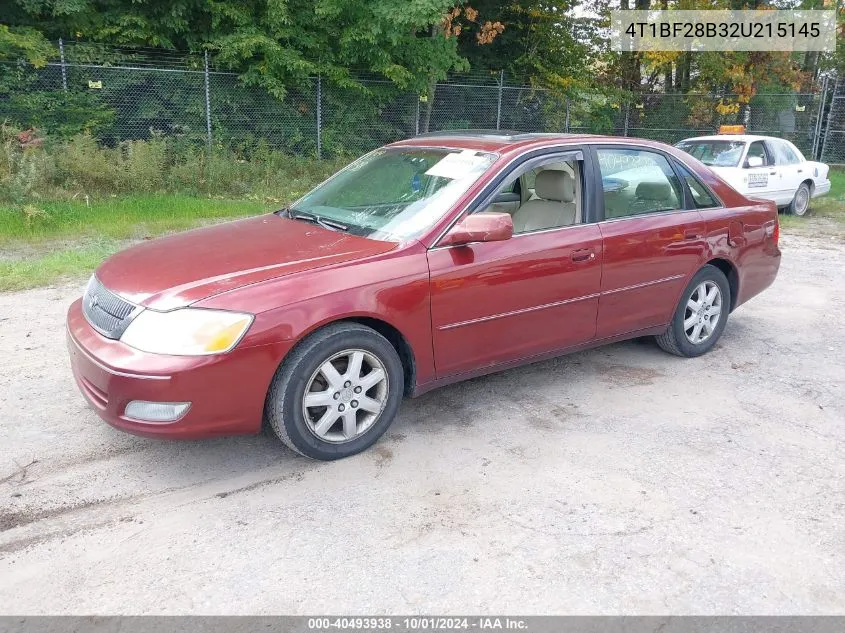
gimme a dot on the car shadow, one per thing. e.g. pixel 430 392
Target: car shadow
pixel 457 406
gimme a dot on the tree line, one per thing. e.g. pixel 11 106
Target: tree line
pixel 413 43
pixel 275 46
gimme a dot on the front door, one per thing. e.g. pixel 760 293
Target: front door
pixel 651 245
pixel 495 302
pixel 765 181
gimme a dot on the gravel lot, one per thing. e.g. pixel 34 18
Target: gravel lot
pixel 619 480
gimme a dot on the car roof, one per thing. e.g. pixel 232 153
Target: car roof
pixel 747 138
pixel 504 141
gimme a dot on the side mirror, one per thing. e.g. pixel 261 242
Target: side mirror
pixel 753 161
pixel 480 227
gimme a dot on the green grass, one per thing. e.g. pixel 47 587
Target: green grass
pixel 42 270
pixel 124 218
pixel 139 189
pixel 43 244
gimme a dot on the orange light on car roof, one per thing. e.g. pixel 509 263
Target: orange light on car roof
pixel 731 129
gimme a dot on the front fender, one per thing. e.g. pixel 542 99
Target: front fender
pixel 393 290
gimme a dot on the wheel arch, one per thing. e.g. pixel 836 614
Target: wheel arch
pixel 400 344
pixel 810 183
pixel 389 331
pixel 730 271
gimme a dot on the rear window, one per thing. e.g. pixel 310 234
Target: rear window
pixel 701 196
pixel 784 154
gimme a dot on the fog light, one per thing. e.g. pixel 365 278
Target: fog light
pixel 156 411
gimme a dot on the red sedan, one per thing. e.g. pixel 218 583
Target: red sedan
pixel 423 263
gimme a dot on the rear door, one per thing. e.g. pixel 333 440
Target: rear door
pixel 790 171
pixel 651 243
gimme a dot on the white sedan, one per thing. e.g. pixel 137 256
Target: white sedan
pixel 762 167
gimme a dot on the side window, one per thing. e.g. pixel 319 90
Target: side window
pixel 757 148
pixel 794 155
pixel 553 199
pixel 636 182
pixel 512 187
pixel 701 196
pixel 508 199
pixel 784 154
pixel 530 177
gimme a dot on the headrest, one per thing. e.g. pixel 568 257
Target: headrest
pixel 654 191
pixel 553 184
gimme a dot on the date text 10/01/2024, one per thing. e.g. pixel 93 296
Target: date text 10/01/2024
pixel 417 623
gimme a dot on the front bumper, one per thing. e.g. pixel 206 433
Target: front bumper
pixel 226 391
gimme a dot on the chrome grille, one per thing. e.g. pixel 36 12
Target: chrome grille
pixel 105 311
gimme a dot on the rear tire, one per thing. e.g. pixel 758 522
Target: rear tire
pixel 701 315
pixel 336 393
pixel 801 202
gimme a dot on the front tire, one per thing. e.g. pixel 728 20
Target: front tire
pixel 701 315
pixel 801 202
pixel 337 392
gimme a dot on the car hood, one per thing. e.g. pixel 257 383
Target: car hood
pixel 177 270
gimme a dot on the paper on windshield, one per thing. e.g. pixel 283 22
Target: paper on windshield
pixel 456 165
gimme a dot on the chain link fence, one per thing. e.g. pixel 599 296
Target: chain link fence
pixel 122 94
pixel 833 144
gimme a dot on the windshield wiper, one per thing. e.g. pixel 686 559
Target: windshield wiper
pixel 316 219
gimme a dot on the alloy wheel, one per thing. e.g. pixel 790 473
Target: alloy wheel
pixel 345 396
pixel 703 311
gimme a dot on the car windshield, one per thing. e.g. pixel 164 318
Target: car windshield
pixel 393 194
pixel 714 153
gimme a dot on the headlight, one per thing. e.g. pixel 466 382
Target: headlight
pixel 187 331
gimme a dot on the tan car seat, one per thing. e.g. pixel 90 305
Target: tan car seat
pixel 553 207
pixel 653 196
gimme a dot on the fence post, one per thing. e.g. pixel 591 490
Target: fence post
pixel 499 105
pixel 829 117
pixel 566 121
pixel 64 67
pixel 319 117
pixel 207 104
pixel 627 112
pixel 417 121
pixel 817 130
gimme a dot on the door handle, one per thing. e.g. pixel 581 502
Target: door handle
pixel 800 170
pixel 772 173
pixel 583 255
pixel 692 235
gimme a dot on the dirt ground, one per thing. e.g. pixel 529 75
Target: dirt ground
pixel 618 480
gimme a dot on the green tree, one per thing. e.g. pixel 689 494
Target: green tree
pixel 26 43
pixel 273 43
pixel 543 43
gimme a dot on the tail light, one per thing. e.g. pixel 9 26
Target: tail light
pixel 776 233
pixel 772 227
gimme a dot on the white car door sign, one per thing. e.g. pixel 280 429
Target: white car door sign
pixel 758 180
